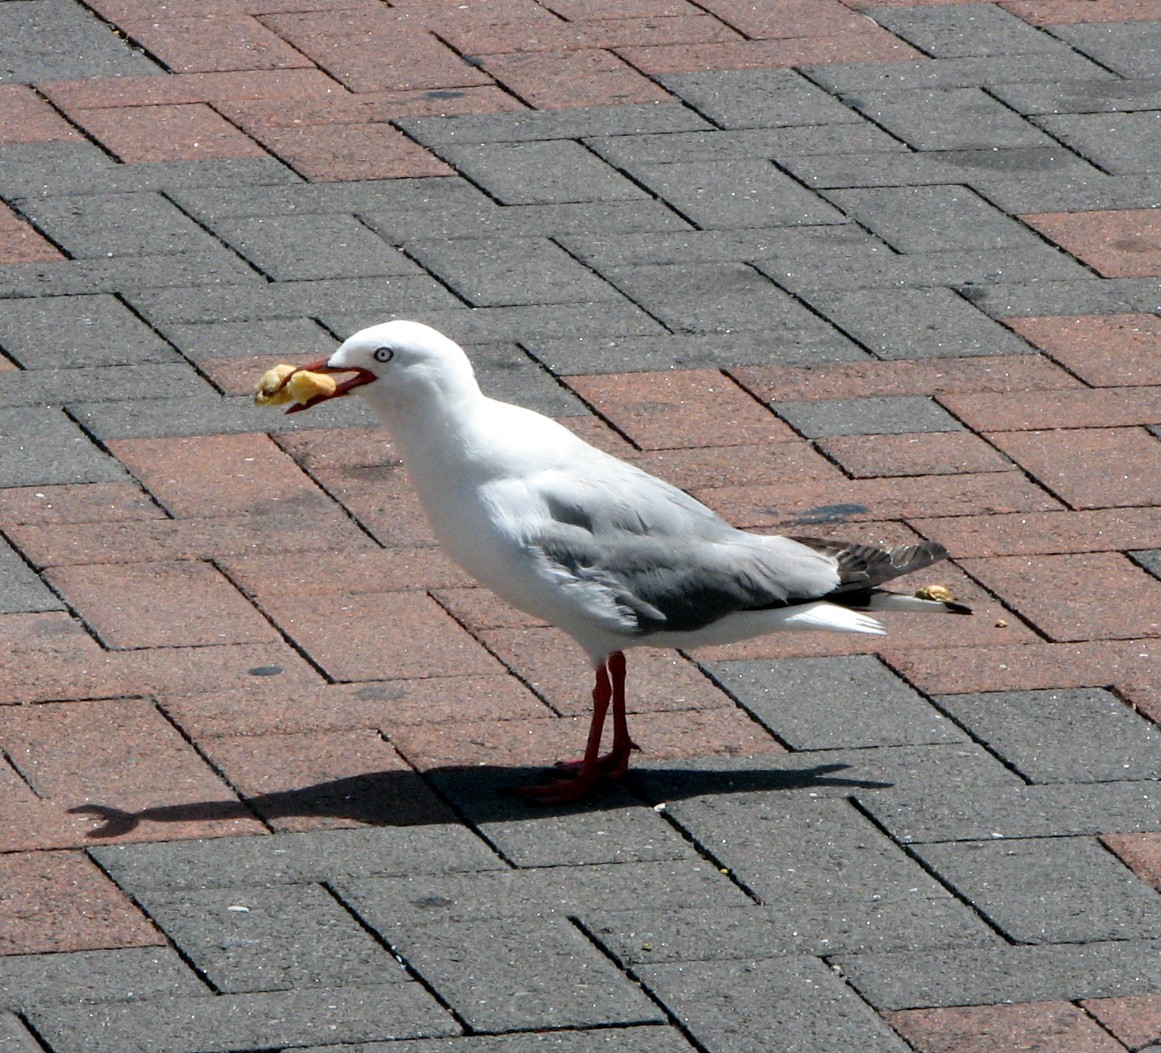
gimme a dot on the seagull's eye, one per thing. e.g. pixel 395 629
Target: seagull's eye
pixel 384 354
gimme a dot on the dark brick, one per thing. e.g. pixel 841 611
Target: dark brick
pixel 926 453
pixel 44 447
pixel 68 332
pixel 242 940
pixel 1071 97
pixel 229 1022
pixel 874 415
pixel 1040 733
pixel 308 247
pixel 758 98
pixel 20 587
pixel 1049 889
pixel 798 998
pixel 984 976
pixel 48 41
pixel 502 974
pixel 1129 48
pixel 544 172
pixel 40 387
pixel 828 703
pixel 1121 143
pixel 15 1037
pixel 300 339
pixel 631 1039
pixel 963 31
pixel 915 323
pixel 498 272
pixel 295 858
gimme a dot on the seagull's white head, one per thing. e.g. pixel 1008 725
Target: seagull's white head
pixel 400 363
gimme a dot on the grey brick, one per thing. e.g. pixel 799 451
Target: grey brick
pixel 15 1037
pixel 69 332
pixel 821 244
pixel 735 193
pixel 915 323
pixel 21 588
pixel 31 980
pixel 823 703
pixel 709 298
pixel 1050 889
pixel 1082 735
pixel 964 30
pixel 1039 262
pixel 873 415
pixel 214 202
pixel 489 220
pixel 519 974
pixel 311 246
pixel 480 325
pixel 375 298
pixel 853 79
pixel 615 829
pixel 1052 297
pixel 725 1004
pixel 933 219
pixel 271 938
pixel 301 339
pixel 250 1021
pixel 949 119
pixel 1078 192
pixel 988 976
pixel 40 387
pixel 654 936
pixel 208 415
pixel 627 151
pixel 1132 49
pixel 1101 96
pixel 530 125
pixel 60 40
pixel 1045 168
pixel 579 355
pixel 507 373
pixel 498 272
pixel 1121 143
pixel 35 169
pixel 758 98
pixel 536 892
pixel 112 274
pixel 804 853
pixel 287 859
pixel 43 447
pixel 1053 810
pixel 548 172
pixel 97 225
pixel 861 773
pixel 1149 559
pixel 651 1037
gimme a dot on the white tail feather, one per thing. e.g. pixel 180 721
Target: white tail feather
pixel 836 619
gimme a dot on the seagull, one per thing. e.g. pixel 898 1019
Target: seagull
pixel 610 554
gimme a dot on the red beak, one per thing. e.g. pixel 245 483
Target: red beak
pixel 344 387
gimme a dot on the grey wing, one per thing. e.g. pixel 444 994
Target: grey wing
pixel 664 561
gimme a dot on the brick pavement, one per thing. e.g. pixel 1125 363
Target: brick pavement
pixel 870 267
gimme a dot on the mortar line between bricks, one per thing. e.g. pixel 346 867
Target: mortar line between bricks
pixel 22 215
pixel 286 638
pixel 838 97
pixel 1047 31
pixel 186 960
pixel 1029 119
pixel 1116 692
pixel 257 142
pixel 411 971
pixel 909 851
pixel 167 195
pixel 475 64
pixel 82 132
pixel 7 757
pixel 494 653
pixel 209 763
pixel 39 1039
pixel 437 278
pixel 616 288
pixel 625 968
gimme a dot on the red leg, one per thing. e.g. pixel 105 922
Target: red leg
pixel 610 687
pixel 589 769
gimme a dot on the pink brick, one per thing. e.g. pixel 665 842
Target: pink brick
pixel 291 86
pixel 1134 1019
pixel 27 118
pixel 1104 350
pixel 350 152
pixel 1097 596
pixel 1141 854
pixel 682 408
pixel 928 453
pixel 1066 12
pixel 160 604
pixel 166 133
pixel 1057 1026
pixel 1066 408
pixel 20 243
pixel 326 780
pixel 76 503
pixel 213 44
pixel 1091 467
pixel 560 79
pixel 1117 244
pixel 61 901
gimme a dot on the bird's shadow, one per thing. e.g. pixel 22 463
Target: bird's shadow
pixel 481 794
